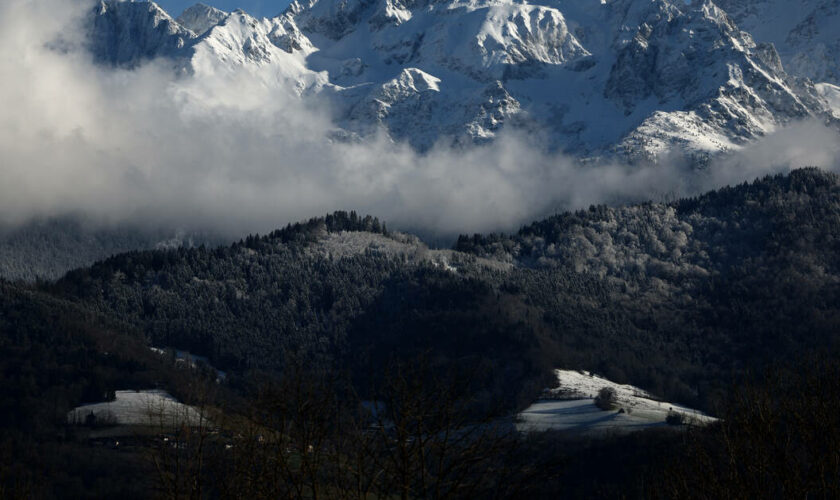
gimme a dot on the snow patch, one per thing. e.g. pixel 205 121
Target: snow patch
pixel 147 407
pixel 397 245
pixel 571 407
pixel 831 94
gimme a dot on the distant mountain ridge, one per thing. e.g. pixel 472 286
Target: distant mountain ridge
pixel 47 248
pixel 596 78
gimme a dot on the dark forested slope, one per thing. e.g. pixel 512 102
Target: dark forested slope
pixel 676 297
pixel 55 355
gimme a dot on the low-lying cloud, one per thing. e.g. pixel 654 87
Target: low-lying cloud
pixel 142 146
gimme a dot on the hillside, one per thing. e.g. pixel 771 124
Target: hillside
pixel 679 299
pixel 674 298
pixel 54 356
pixel 572 407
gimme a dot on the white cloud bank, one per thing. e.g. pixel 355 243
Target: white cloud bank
pixel 142 146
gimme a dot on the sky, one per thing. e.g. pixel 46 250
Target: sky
pixel 260 8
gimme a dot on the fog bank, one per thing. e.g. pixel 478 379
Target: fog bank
pixel 230 155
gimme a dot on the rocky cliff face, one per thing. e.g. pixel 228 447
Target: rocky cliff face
pixel 805 32
pixel 617 77
pixel 127 33
pixel 200 18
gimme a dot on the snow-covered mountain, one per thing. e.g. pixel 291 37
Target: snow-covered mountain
pixel 205 42
pixel 200 18
pixel 637 78
pixel 805 32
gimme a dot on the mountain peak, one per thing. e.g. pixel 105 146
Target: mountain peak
pixel 599 79
pixel 126 33
pixel 200 17
pixel 806 33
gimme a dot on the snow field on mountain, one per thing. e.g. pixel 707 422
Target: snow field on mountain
pixel 831 94
pixel 806 33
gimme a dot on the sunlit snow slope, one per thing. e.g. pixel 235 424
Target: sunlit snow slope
pixel 637 79
pixel 571 407
pixel 150 408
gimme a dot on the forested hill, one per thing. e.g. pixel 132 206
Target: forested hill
pixel 795 215
pixel 677 298
pixel 334 288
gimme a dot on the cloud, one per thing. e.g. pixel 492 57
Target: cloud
pixel 231 155
pixel 802 144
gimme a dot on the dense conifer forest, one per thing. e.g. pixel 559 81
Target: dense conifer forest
pixel 678 298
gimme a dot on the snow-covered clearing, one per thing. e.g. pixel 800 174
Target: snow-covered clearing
pixel 407 247
pixel 571 407
pixel 151 407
